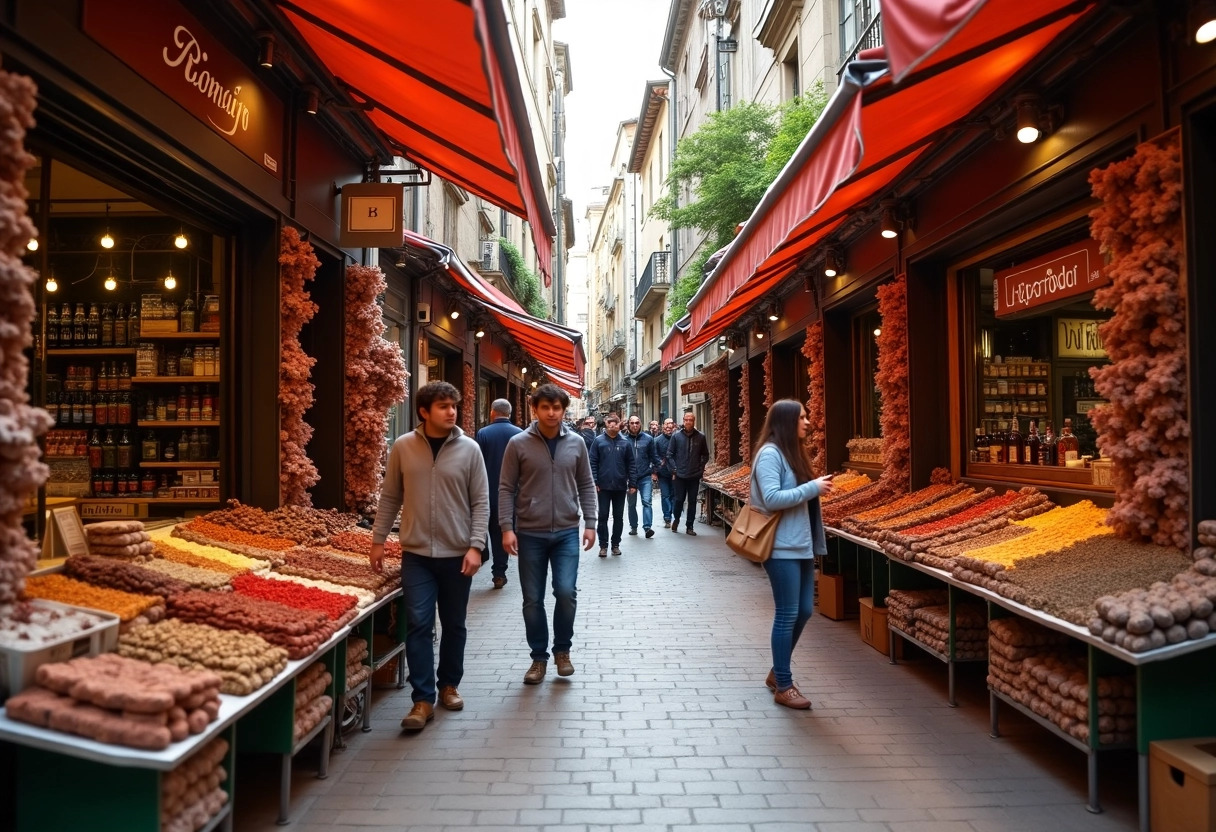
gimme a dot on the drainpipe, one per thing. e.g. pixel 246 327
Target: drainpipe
pixel 673 266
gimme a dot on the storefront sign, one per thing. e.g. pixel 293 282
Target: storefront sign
pixel 1064 273
pixel 372 215
pixel 1079 338
pixel 169 48
pixel 118 508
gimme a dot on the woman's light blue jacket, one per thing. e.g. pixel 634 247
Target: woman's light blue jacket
pixel 774 488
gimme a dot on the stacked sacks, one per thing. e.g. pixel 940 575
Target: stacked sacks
pixel 243 662
pixel 902 605
pixel 119 538
pixel 1033 666
pixel 357 668
pixel 119 700
pixel 312 701
pixel 970 630
pixel 191 795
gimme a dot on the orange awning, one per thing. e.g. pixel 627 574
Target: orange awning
pixel 870 134
pixel 440 82
pixel 558 349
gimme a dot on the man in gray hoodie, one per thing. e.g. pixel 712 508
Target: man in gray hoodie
pixel 546 478
pixel 443 533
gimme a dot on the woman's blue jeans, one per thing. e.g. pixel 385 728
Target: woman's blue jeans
pixel 537 552
pixel 793 583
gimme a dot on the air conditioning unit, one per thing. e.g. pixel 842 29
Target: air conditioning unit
pixel 696 398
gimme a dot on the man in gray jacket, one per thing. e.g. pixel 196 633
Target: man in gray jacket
pixel 443 533
pixel 546 478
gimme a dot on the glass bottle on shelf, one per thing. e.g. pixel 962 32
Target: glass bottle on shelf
pixel 162 410
pixel 172 413
pixel 95 451
pixel 107 325
pixel 120 326
pixel 185 451
pixel 996 446
pixel 204 451
pixel 149 449
pixel 124 377
pixel 208 408
pixel 133 331
pixel 1031 457
pixel 162 490
pixel 124 407
pixel 52 407
pixel 185 364
pixel 189 316
pixel 170 452
pixel 1068 446
pixel 124 455
pixel 93 326
pixel 52 326
pixel 1047 448
pixel 109 451
pixel 980 452
pixel 78 327
pixel 103 378
pixel 183 403
pixel 171 368
pixel 196 404
pixel 147 484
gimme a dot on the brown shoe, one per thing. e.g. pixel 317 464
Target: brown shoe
pixel 449 698
pixel 603 553
pixel 792 698
pixel 499 583
pixel 691 532
pixel 564 667
pixel 535 674
pixel 770 681
pixel 418 717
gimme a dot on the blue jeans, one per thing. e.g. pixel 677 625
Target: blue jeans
pixel 498 567
pixel 537 551
pixel 645 492
pixel 615 500
pixel 665 496
pixel 427 582
pixel 793 583
pixel 684 488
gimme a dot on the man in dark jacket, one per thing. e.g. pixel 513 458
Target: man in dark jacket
pixel 588 431
pixel 493 440
pixel 612 468
pixel 645 464
pixel 687 454
pixel 664 476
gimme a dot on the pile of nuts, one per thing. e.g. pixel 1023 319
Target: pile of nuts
pixel 244 662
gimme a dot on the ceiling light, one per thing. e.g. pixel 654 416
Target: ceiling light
pixel 523 371
pixel 111 284
pixel 106 240
pixel 890 227
pixel 1030 118
pixel 266 49
pixel 774 314
pixel 481 332
pixel 759 331
pixel 170 280
pixel 877 332
pixel 832 263
pixel 52 285
pixel 400 261
pixel 181 240
pixel 32 245
pixel 1202 20
pixel 312 100
pixel 534 384
pixel 454 313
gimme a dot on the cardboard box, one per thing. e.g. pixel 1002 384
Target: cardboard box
pixel 1182 785
pixel 874 630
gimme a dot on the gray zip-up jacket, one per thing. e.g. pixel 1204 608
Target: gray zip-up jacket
pixel 541 492
pixel 448 510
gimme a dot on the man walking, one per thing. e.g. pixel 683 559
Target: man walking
pixel 588 431
pixel 687 454
pixel 492 439
pixel 645 464
pixel 443 533
pixel 663 476
pixel 543 469
pixel 612 468
pixel 654 427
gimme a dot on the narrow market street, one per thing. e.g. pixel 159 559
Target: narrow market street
pixel 667 725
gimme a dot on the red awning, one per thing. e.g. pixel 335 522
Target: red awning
pixel 558 349
pixel 870 134
pixel 440 80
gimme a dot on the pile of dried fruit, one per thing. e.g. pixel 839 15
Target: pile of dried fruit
pixel 243 661
pixel 300 632
pixel 336 607
pixel 126 605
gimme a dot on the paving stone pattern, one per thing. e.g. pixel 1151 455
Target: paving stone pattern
pixel 667 725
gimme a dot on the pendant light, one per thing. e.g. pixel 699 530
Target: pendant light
pixel 52 285
pixel 107 241
pixel 170 280
pixel 181 240
pixel 111 282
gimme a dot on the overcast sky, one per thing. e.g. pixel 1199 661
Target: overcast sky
pixel 614 51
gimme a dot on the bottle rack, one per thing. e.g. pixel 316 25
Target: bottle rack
pixel 1018 387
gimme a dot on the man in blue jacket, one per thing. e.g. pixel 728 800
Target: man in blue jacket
pixel 664 475
pixel 612 468
pixel 645 465
pixel 687 454
pixel 493 440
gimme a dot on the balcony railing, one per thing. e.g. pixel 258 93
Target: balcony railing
pixel 870 38
pixel 654 285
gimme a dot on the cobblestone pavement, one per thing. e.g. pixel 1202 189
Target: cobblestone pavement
pixel 667 725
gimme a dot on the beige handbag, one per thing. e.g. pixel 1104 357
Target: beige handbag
pixel 753 533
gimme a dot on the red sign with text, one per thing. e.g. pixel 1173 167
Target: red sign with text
pixel 170 49
pixel 1064 273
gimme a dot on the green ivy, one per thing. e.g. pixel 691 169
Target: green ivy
pixel 728 164
pixel 525 283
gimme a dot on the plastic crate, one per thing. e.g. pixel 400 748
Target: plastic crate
pixel 19 664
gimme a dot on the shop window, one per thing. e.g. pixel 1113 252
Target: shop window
pixel 1030 359
pixel 867 409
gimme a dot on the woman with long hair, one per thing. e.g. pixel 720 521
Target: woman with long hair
pixel 782 481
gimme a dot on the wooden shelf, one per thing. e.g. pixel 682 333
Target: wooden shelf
pixel 179 336
pixel 208 464
pixel 180 423
pixel 91 351
pixel 1042 476
pixel 194 501
pixel 175 379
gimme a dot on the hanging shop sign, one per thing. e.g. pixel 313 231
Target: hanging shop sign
pixel 1063 273
pixel 373 215
pixel 170 49
pixel 1079 338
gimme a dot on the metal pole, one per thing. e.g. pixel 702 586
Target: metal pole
pixel 718 66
